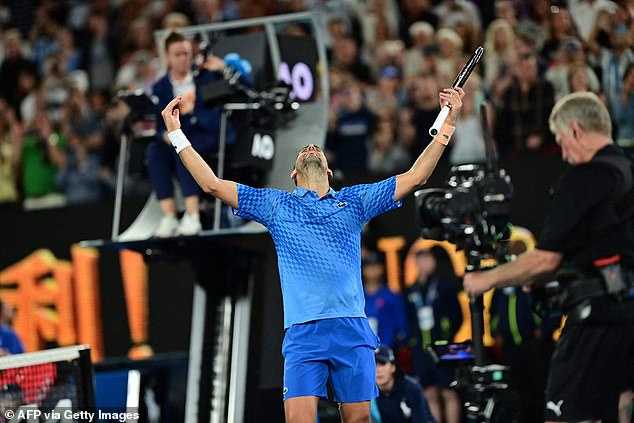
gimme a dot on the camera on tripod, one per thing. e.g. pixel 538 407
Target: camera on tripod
pixel 473 213
pixel 141 121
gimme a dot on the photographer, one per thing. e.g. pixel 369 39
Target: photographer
pixel 588 241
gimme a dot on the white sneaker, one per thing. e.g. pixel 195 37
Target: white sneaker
pixel 190 225
pixel 167 227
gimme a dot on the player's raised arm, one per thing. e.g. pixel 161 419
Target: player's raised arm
pixel 226 191
pixel 425 164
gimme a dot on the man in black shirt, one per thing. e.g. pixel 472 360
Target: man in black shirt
pixel 400 397
pixel 588 234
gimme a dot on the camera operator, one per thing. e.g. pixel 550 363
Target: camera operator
pixel 588 241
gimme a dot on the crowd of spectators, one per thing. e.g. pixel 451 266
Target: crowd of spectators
pixel 62 62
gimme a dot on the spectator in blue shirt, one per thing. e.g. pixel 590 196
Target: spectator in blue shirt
pixel 9 341
pixel 384 308
pixel 317 234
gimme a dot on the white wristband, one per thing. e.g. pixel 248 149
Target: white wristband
pixel 179 140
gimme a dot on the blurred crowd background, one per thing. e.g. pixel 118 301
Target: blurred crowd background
pixel 62 62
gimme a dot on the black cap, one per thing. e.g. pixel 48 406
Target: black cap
pixel 384 354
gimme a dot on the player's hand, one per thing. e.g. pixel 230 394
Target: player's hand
pixel 171 115
pixel 452 97
pixel 476 283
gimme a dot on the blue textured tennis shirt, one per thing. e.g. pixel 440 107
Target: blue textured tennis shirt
pixel 318 243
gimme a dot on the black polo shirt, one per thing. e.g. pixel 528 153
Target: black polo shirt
pixel 582 190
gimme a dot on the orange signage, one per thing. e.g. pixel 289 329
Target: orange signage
pixel 57 301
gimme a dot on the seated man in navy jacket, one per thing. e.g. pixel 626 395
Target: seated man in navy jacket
pixel 201 123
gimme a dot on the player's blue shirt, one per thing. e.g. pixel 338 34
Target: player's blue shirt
pixel 318 243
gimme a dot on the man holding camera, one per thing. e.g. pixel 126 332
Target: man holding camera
pixel 588 243
pixel 317 235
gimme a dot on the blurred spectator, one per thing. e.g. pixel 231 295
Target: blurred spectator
pixel 421 35
pixel 587 14
pixel 10 153
pixel 434 314
pixel 138 37
pixel 416 11
pixel 561 28
pixel 379 20
pixel 468 32
pixel 538 21
pixel 387 156
pixel 55 89
pixel 345 54
pixel 388 53
pixel 522 114
pixel 467 145
pixel 614 60
pixel 624 111
pixel 450 56
pixel 208 11
pixel 198 121
pixel 175 20
pixel 406 129
pixel 336 30
pixel 79 164
pixel 526 344
pixel 69 56
pixel 350 128
pixel 41 144
pixel 385 309
pixel 423 102
pixel 578 79
pixel 385 95
pixel 400 397
pixel 99 44
pixel 43 37
pixel 505 9
pixel 13 65
pixel 499 47
pixel 139 73
pixel 468 8
pixel 10 342
pixel 28 89
pixel 570 53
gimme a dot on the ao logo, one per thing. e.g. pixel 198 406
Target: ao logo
pixel 300 78
pixel 263 146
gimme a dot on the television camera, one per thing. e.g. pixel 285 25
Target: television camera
pixel 473 212
pixel 272 107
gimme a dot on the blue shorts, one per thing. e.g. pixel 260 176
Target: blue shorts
pixel 340 350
